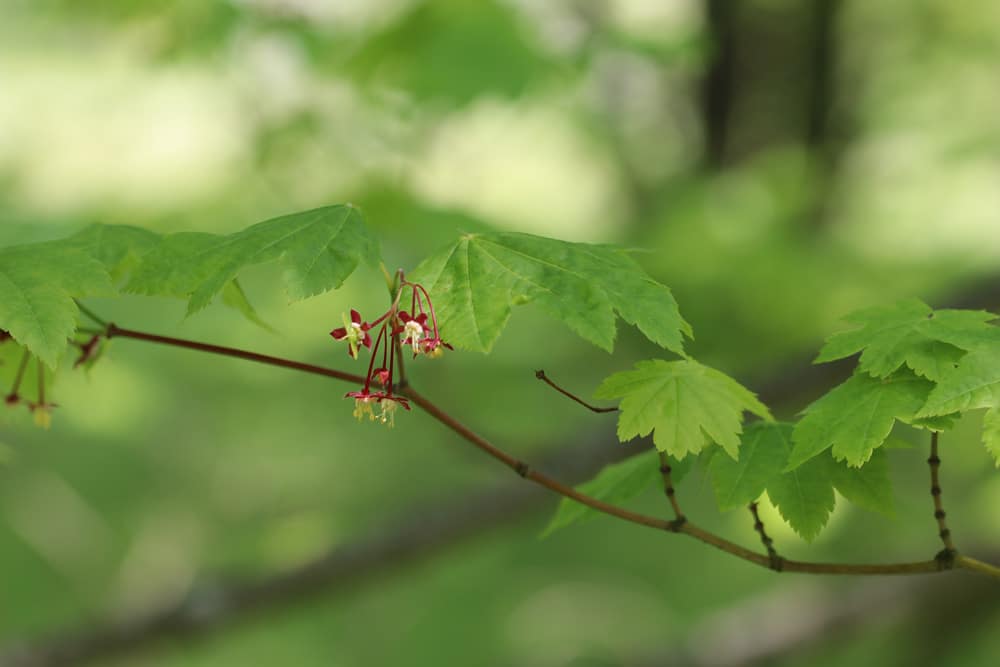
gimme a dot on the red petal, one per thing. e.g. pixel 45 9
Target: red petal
pixel 338 333
pixel 355 316
pixel 404 316
pixel 367 342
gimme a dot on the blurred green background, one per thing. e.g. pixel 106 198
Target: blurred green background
pixel 782 162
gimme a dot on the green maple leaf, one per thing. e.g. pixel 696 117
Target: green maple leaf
pixel 616 484
pixel 856 417
pixel 804 496
pixel 991 433
pixel 38 285
pixel 685 404
pixel 763 454
pixel 318 250
pixel 973 383
pixel 868 486
pixel 910 333
pixel 476 280
pixel 118 247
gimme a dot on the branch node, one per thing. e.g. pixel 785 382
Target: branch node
pixel 522 468
pixel 678 524
pixel 776 562
pixel 946 559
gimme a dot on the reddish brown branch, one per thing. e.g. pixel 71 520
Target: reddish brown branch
pixel 524 470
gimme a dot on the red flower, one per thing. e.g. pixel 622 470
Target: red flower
pixel 415 329
pixel 365 400
pixel 355 331
pixel 433 347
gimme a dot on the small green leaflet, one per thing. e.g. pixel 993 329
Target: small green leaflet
pixel 803 496
pixel 974 383
pixel 318 249
pixel 38 283
pixel 910 333
pixel 476 280
pixel 685 404
pixel 616 484
pixel 857 416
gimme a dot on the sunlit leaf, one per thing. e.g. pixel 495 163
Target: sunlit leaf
pixel 477 280
pixel 686 406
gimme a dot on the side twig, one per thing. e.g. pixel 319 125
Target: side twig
pixel 947 555
pixel 540 374
pixel 671 493
pixel 758 525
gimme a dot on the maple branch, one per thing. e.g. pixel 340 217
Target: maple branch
pixel 758 525
pixel 454 520
pixel 946 556
pixel 540 374
pixel 114 331
pixel 523 469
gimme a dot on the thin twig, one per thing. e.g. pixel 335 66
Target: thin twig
pixel 540 374
pixel 90 314
pixel 668 489
pixel 947 556
pixel 758 525
pixel 19 377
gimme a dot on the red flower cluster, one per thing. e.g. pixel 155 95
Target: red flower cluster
pixel 417 329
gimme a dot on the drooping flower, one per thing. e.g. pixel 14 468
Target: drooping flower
pixel 389 405
pixel 414 329
pixel 364 401
pixel 42 412
pixel 355 332
pixel 434 347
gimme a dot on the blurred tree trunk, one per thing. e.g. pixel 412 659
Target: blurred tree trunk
pixel 771 78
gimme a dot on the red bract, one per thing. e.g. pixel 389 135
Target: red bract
pixel 355 332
